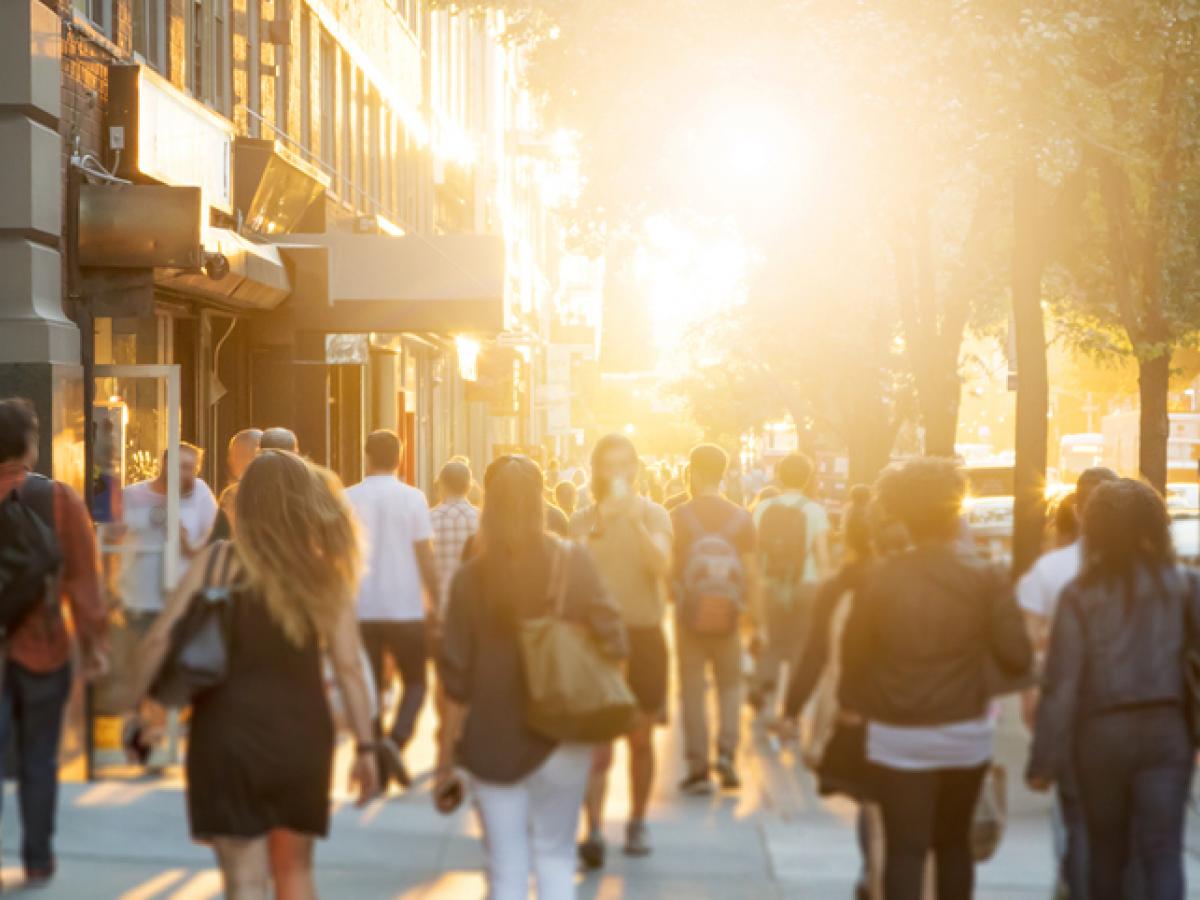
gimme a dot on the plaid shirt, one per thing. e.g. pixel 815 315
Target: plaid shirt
pixel 42 643
pixel 454 523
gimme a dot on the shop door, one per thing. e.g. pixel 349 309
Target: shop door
pixel 135 423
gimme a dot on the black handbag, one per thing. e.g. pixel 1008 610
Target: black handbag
pixel 844 767
pixel 197 657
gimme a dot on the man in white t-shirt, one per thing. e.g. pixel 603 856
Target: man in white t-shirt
pixel 1038 593
pixel 144 507
pixel 399 588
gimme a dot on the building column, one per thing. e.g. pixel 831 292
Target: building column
pixel 39 345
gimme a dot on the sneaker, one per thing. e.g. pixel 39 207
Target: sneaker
pixel 39 878
pixel 395 768
pixel 637 842
pixel 697 784
pixel 591 853
pixel 728 775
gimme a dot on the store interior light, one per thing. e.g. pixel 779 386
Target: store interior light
pixel 468 357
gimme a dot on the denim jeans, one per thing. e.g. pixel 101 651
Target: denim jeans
pixel 1070 837
pixel 1134 770
pixel 33 704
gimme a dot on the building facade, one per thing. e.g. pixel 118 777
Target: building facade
pixel 331 215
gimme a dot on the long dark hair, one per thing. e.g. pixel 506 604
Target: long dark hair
pixel 1125 528
pixel 512 540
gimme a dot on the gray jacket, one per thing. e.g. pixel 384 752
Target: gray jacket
pixel 1115 644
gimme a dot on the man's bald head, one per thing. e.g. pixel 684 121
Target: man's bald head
pixel 279 438
pixel 242 447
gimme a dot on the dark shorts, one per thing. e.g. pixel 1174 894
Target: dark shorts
pixel 646 670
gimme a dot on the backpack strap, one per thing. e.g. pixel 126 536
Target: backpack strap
pixel 37 492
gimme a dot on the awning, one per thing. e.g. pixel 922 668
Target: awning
pixel 366 282
pixel 257 278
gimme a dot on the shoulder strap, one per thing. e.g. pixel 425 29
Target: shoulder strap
pixel 560 573
pixel 219 565
pixel 37 492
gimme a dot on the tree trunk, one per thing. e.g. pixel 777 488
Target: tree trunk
pixel 1029 501
pixel 1154 426
pixel 939 397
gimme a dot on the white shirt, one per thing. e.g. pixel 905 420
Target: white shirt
pixel 394 516
pixel 957 745
pixel 1039 588
pixel 145 517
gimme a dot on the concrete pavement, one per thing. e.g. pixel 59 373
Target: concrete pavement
pixel 128 839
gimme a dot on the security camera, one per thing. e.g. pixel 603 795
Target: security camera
pixel 215 265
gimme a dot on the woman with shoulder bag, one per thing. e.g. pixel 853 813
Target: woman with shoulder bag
pixel 1117 704
pixel 528 787
pixel 261 741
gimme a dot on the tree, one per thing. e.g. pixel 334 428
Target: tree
pixel 1129 109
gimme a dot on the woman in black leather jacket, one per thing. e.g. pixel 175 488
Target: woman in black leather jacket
pixel 1115 694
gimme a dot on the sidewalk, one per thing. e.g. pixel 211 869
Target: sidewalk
pixel 128 840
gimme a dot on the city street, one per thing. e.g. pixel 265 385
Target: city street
pixel 128 839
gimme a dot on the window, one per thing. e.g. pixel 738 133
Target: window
pixel 149 22
pixel 345 155
pixel 375 149
pixel 208 61
pixel 328 88
pixel 281 90
pixel 254 65
pixel 363 141
pixel 98 12
pixel 305 80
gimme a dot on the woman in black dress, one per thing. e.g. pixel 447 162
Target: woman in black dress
pixel 261 743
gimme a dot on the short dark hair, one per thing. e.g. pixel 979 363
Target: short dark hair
pixel 279 438
pixel 18 428
pixel 384 449
pixel 1089 480
pixel 925 494
pixel 795 471
pixel 708 463
pixel 455 477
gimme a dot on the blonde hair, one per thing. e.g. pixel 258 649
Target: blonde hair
pixel 296 538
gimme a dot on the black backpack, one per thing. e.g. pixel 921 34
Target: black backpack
pixel 783 541
pixel 30 558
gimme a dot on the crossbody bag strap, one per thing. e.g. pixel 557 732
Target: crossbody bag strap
pixel 556 585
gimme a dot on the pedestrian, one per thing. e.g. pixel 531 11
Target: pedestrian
pixel 841 768
pixel 454 522
pixel 260 745
pixel 280 438
pixel 242 448
pixel 145 508
pixel 1038 593
pixel 715 588
pixel 37 664
pixel 629 538
pixel 398 596
pixel 566 495
pixel 794 552
pixel 935 631
pixel 1113 710
pixel 527 789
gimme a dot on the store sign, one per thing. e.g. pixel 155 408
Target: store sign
pixel 170 137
